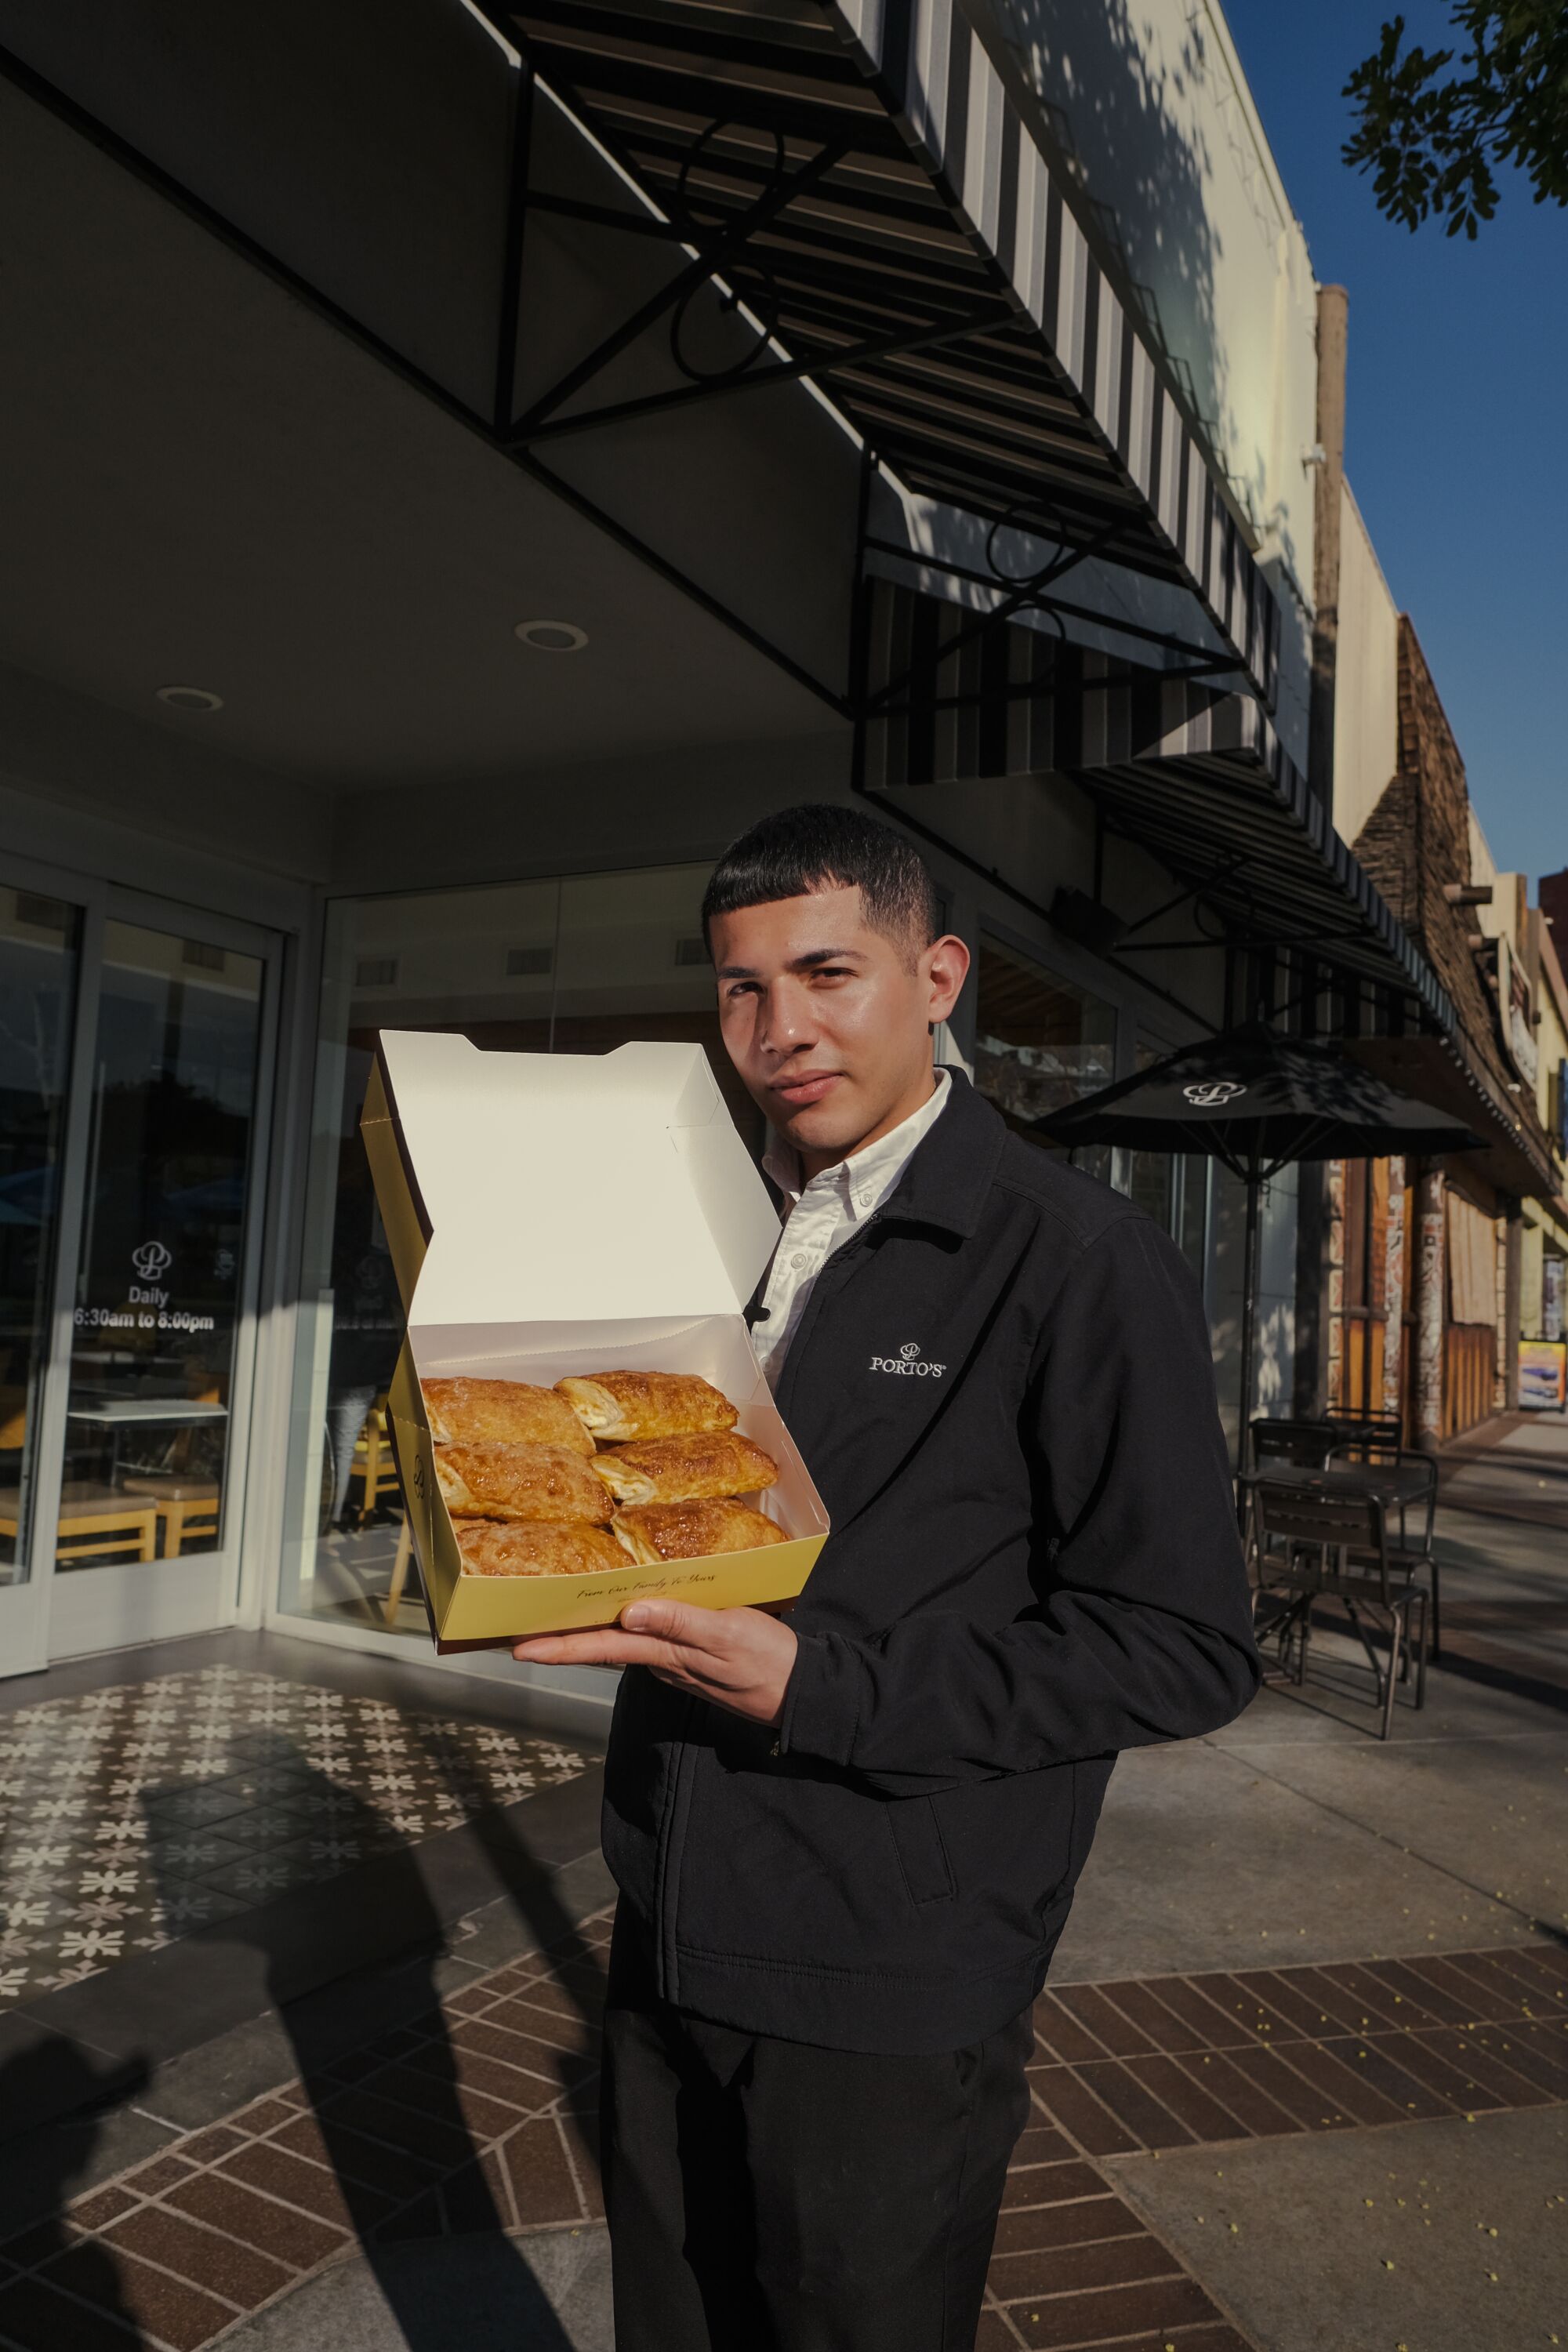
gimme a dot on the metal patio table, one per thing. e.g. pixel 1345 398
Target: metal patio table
pixel 1399 1485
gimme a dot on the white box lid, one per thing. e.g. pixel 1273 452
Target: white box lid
pixel 573 1187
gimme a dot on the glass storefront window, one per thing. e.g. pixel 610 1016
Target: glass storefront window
pixel 575 965
pixel 159 1279
pixel 1040 1042
pixel 1172 1187
pixel 40 945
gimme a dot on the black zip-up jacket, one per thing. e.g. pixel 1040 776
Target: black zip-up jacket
pixel 1002 1385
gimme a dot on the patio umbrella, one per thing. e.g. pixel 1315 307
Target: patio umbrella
pixel 1257 1102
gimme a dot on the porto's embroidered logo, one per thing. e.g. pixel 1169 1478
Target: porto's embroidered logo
pixel 1210 1094
pixel 909 1362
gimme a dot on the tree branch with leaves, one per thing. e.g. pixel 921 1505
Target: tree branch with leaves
pixel 1434 127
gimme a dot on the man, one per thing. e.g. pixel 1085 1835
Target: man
pixel 845 1843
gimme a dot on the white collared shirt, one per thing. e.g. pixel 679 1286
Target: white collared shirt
pixel 822 1212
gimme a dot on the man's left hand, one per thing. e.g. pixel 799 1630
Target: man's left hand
pixel 739 1658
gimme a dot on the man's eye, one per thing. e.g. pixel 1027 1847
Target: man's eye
pixel 833 972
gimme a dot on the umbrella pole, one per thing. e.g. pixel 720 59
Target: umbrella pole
pixel 1248 1316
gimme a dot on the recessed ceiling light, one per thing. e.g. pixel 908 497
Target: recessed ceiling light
pixel 189 697
pixel 552 636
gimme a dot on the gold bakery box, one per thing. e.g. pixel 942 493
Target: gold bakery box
pixel 549 1214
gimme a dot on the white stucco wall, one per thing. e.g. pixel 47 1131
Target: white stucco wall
pixel 1150 97
pixel 1366 676
pixel 1501 916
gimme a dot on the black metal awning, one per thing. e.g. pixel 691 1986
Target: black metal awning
pixel 862 180
pixel 1197 776
pixel 867 183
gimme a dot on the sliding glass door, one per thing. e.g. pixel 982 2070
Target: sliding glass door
pixel 40 978
pixel 135 1061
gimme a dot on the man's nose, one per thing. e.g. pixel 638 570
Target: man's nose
pixel 787 1023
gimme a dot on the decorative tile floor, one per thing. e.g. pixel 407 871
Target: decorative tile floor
pixel 131 1816
pixel 479 2118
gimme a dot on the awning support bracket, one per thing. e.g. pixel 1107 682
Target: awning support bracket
pixel 37 85
pixel 821 366
pixel 712 255
pixel 1225 871
pixel 1027 597
pixel 1200 662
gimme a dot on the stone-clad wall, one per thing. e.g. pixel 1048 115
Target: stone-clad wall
pixel 1418 838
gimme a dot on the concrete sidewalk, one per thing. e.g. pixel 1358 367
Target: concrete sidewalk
pixel 1303 2053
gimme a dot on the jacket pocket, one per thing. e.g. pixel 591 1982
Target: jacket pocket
pixel 923 1854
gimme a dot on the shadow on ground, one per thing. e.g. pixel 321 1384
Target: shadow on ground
pixel 388 2195
pixel 52 2077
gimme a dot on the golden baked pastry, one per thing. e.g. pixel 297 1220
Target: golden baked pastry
pixel 616 1406
pixel 661 1532
pixel 535 1548
pixel 502 1413
pixel 684 1469
pixel 520 1481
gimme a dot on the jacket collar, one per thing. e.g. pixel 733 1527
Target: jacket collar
pixel 947 1180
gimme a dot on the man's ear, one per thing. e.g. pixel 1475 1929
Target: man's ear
pixel 946 965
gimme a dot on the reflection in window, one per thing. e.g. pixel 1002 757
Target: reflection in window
pixel 1172 1187
pixel 161 1267
pixel 575 965
pixel 39 946
pixel 1040 1042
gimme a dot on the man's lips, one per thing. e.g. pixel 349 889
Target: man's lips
pixel 796 1093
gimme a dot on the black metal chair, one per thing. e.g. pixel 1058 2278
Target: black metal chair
pixel 1309 1545
pixel 1411 1490
pixel 1299 1445
pixel 1376 1428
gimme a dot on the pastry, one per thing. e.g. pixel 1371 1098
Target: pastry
pixel 681 1469
pixel 533 1548
pixel 660 1531
pixel 520 1481
pixel 616 1406
pixel 502 1413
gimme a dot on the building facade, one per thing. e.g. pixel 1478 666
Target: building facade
pixel 465 471
pixel 1428 1263
pixel 1543 1280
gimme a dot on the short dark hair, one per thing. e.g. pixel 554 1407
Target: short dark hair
pixel 819 847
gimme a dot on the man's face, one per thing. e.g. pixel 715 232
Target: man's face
pixel 827 1021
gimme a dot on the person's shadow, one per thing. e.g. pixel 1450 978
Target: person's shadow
pixel 577 1967
pixel 389 2190
pixel 57 2082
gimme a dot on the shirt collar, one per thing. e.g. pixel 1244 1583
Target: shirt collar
pixel 876 1168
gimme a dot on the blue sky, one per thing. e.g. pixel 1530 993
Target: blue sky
pixel 1457 422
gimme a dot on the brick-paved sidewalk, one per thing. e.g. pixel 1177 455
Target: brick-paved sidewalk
pixel 378 2148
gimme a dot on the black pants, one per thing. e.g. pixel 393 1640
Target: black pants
pixel 768 2196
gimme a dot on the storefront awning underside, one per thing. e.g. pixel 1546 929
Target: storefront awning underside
pixel 1446 1071
pixel 1198 778
pixel 861 179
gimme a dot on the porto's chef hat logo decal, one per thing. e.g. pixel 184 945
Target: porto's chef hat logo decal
pixel 909 1362
pixel 152 1259
pixel 1210 1094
